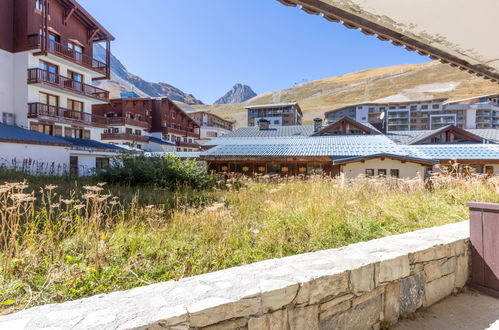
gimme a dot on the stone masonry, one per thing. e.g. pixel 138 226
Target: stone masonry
pixel 361 286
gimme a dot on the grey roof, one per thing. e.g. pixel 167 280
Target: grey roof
pixel 491 134
pixel 183 155
pixel 456 151
pixel 19 134
pixel 160 141
pixel 335 145
pixel 343 160
pixel 92 144
pixel 279 131
pixel 408 137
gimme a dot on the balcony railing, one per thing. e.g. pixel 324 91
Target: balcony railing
pixel 36 110
pixel 186 144
pixel 124 136
pixel 72 55
pixel 127 121
pixel 42 76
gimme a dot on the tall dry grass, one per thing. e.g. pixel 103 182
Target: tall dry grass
pixel 58 244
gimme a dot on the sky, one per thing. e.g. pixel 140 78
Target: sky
pixel 205 47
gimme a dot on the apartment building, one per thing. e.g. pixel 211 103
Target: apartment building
pixel 281 114
pixel 175 125
pixel 148 124
pixel 47 65
pixel 128 121
pixel 476 112
pixel 210 125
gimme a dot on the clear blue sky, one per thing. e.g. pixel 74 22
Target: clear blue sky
pixel 205 47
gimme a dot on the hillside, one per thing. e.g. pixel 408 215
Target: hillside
pixel 396 83
pixel 122 80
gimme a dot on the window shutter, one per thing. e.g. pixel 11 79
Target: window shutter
pixel 86 134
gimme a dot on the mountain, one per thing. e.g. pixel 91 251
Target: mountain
pixel 395 83
pixel 238 94
pixel 122 80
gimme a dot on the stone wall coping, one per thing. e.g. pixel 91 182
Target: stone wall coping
pixel 173 302
pixel 483 206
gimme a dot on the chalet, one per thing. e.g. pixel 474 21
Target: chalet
pixel 149 124
pixel 210 125
pixel 349 147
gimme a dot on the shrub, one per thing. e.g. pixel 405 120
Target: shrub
pixel 167 171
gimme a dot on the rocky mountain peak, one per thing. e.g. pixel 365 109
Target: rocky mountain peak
pixel 238 94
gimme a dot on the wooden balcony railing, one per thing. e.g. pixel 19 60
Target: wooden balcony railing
pixel 187 144
pixel 124 136
pixel 42 76
pixel 127 121
pixel 72 55
pixel 36 110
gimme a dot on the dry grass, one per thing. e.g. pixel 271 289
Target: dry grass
pixel 57 245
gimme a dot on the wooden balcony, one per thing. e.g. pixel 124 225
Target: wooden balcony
pixel 39 76
pixel 40 110
pixel 71 55
pixel 187 144
pixel 120 121
pixel 124 136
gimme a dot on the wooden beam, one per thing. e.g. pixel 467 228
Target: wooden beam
pixel 68 15
pixel 92 35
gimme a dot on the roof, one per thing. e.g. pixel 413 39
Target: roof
pixel 92 144
pixel 277 131
pixel 366 127
pixel 456 151
pixel 160 141
pixel 411 137
pixel 334 145
pixel 461 39
pixel 471 98
pixel 89 19
pixel 16 134
pixel 183 155
pixel 210 114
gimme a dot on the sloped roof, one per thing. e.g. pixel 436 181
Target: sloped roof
pixel 160 141
pixel 366 127
pixel 183 155
pixel 457 34
pixel 411 137
pixel 335 145
pixel 16 134
pixel 92 144
pixel 456 151
pixel 278 131
pixel 432 133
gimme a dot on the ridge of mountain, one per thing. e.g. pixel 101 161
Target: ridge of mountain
pixel 238 94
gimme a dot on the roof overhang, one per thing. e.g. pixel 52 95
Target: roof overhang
pixel 459 33
pixel 348 160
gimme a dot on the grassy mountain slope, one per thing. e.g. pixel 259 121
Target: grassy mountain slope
pixel 396 83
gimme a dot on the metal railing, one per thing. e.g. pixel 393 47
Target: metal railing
pixel 43 76
pixel 40 109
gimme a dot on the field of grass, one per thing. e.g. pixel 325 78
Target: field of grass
pixel 63 239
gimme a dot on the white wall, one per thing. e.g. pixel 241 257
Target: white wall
pixel 36 159
pixel 406 170
pixel 203 132
pixel 87 160
pixel 6 85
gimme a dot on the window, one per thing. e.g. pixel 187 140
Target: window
pixel 139 146
pixel 435 106
pixel 76 50
pixel 173 114
pixel 48 99
pixel 76 80
pixel 77 108
pixel 489 170
pixel 381 172
pixel 76 133
pixel 138 132
pixel 190 140
pixel 394 173
pixel 101 162
pixel 276 122
pixel 424 106
pixel 39 5
pixel 185 139
pixel 50 73
pixel 128 131
pixel 369 172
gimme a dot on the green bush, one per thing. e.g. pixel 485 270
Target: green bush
pixel 167 171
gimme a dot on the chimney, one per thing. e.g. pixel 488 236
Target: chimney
pixel 317 125
pixel 263 124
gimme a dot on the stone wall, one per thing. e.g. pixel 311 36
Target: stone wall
pixel 360 286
